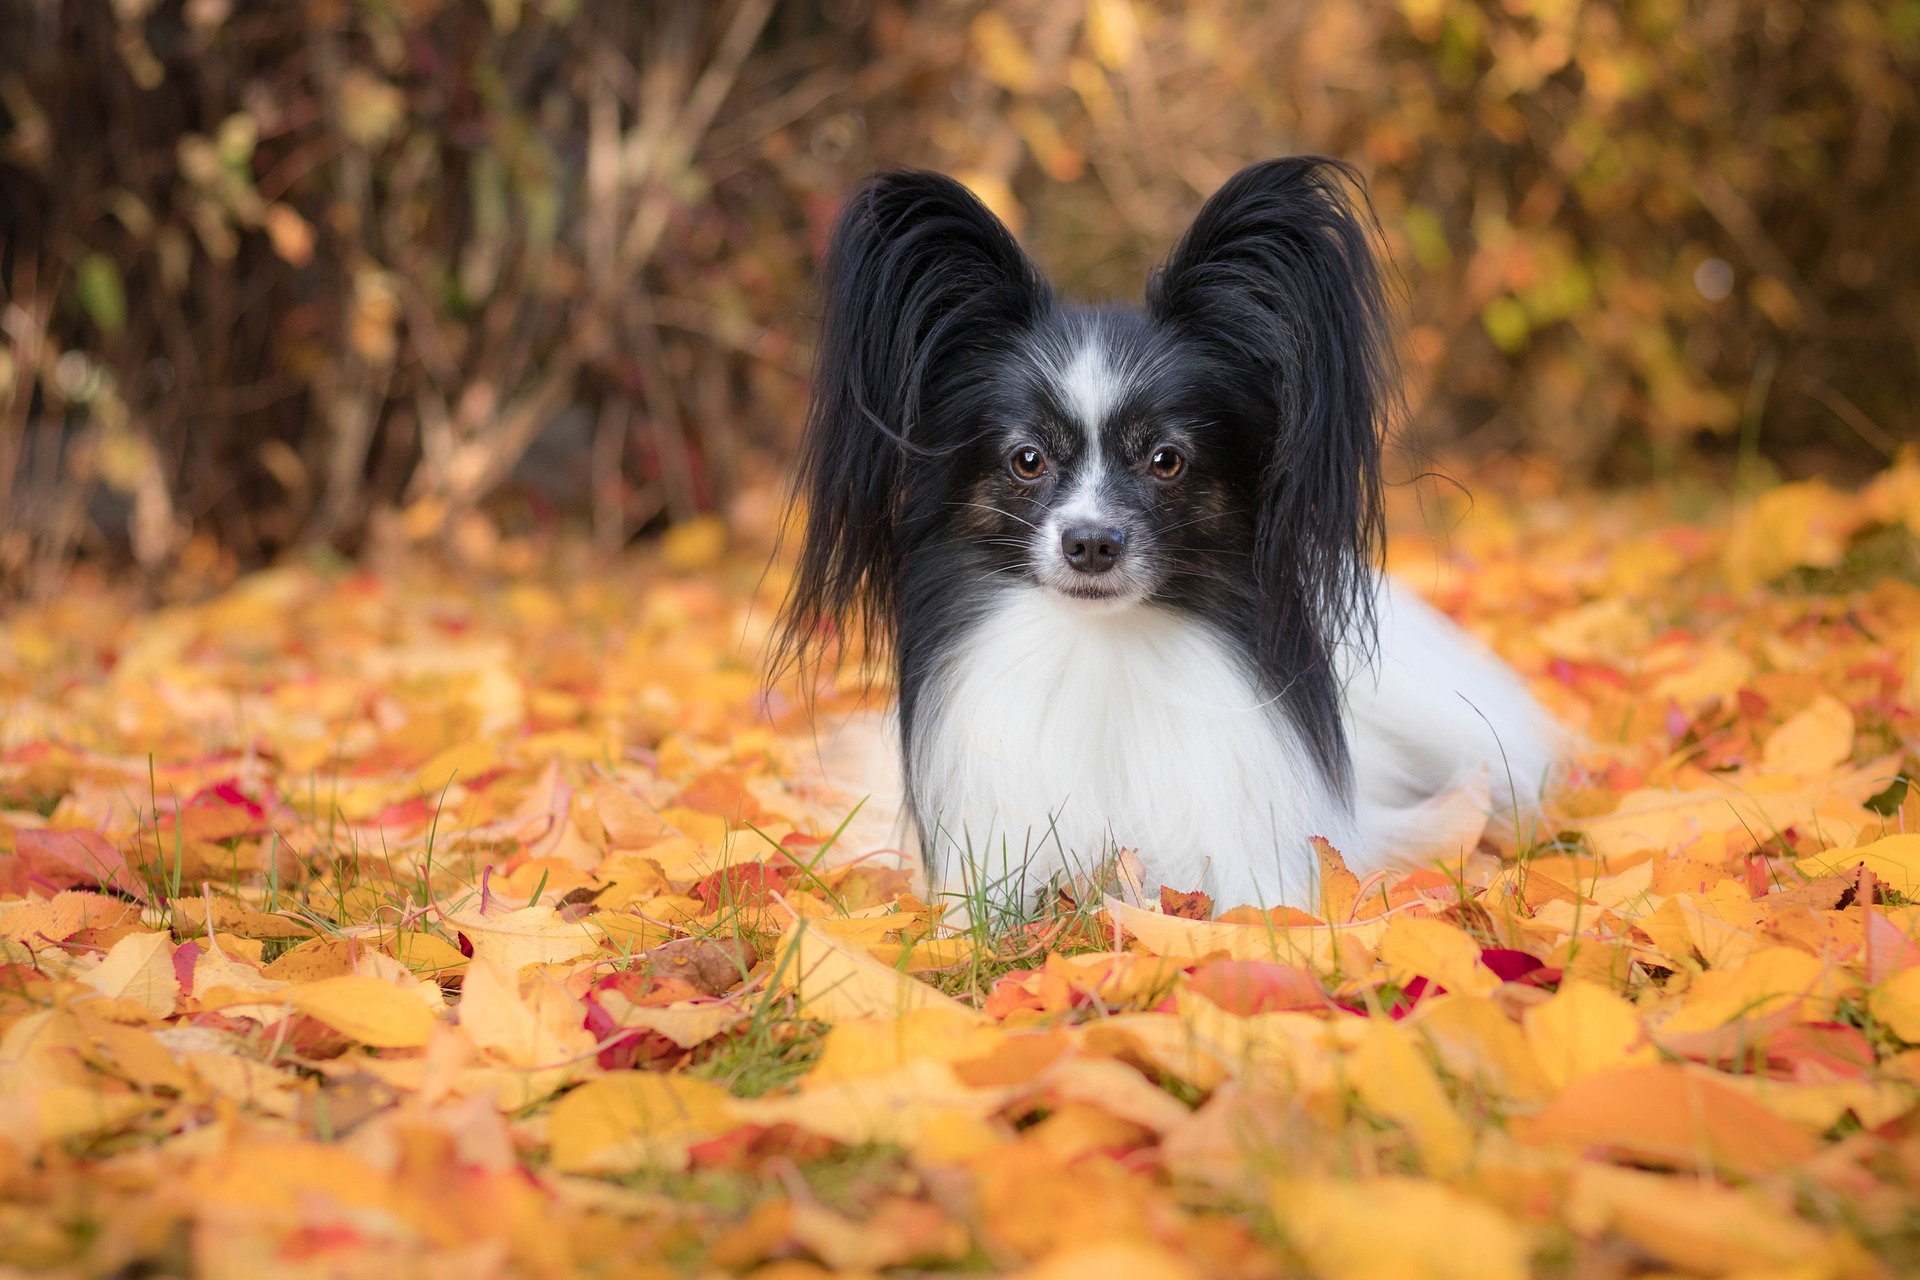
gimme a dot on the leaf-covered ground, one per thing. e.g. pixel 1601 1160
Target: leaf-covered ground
pixel 402 925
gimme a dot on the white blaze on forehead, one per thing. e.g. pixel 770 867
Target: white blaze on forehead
pixel 1090 387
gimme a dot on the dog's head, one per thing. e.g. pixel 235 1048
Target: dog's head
pixel 1104 469
pixel 1225 434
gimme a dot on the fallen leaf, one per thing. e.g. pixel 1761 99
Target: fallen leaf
pixel 1584 1029
pixel 544 1030
pixel 1693 1223
pixel 1399 1227
pixel 366 1009
pixel 1668 1115
pixel 139 968
pixel 1814 742
pixel 1895 1004
pixel 67 859
pixel 1416 946
pixel 1338 885
pixel 833 980
pixel 512 940
pixel 1394 1080
pixel 635 1120
pixel 1895 860
pixel 1173 937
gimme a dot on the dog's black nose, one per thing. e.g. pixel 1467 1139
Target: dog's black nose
pixel 1092 550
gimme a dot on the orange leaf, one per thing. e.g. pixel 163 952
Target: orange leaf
pixel 1668 1115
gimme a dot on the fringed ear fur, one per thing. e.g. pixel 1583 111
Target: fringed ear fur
pixel 1278 283
pixel 918 276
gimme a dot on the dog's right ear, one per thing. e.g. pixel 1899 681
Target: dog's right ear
pixel 919 277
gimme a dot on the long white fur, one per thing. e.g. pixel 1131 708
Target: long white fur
pixel 1061 732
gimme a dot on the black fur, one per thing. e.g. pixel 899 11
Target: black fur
pixel 921 284
pixel 1263 353
pixel 1276 280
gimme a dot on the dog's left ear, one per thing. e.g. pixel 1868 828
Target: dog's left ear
pixel 1277 282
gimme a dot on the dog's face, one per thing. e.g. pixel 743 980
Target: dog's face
pixel 1102 472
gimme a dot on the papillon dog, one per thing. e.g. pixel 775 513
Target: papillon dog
pixel 1122 560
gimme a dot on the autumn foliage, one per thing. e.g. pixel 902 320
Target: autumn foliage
pixel 381 924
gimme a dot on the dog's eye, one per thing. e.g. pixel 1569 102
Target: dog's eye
pixel 1027 462
pixel 1167 462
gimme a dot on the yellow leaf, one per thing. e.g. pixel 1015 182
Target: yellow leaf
pixel 1611 630
pixel 1894 859
pixel 238 990
pixel 894 1107
pixel 1805 524
pixel 1814 742
pixel 1415 946
pixel 1338 885
pixel 1655 818
pixel 532 935
pixel 1584 1029
pixel 1818 1107
pixel 366 1009
pixel 1721 927
pixel 1393 1079
pixel 636 1120
pixel 835 980
pixel 1718 672
pixel 953 1137
pixel 1477 1041
pixel 1398 1229
pixel 1770 979
pixel 139 968
pixel 1115 1088
pixel 424 953
pixel 543 1031
pixel 861 1047
pixel 1183 939
pixel 252 1084
pixel 68 1111
pixel 685 1022
pixel 1895 1004
pixel 467 760
pixel 1694 1224
pixel 190 918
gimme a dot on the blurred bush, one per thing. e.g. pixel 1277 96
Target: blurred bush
pixel 300 273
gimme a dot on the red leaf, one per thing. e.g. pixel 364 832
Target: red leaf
pixel 746 884
pixel 70 858
pixel 185 957
pixel 1510 965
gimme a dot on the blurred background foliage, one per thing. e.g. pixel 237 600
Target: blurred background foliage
pixel 333 273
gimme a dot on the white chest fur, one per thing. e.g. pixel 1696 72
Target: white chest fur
pixel 1058 732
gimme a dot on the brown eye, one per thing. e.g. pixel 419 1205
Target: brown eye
pixel 1027 463
pixel 1167 462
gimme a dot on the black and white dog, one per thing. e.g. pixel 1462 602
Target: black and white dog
pixel 1124 560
